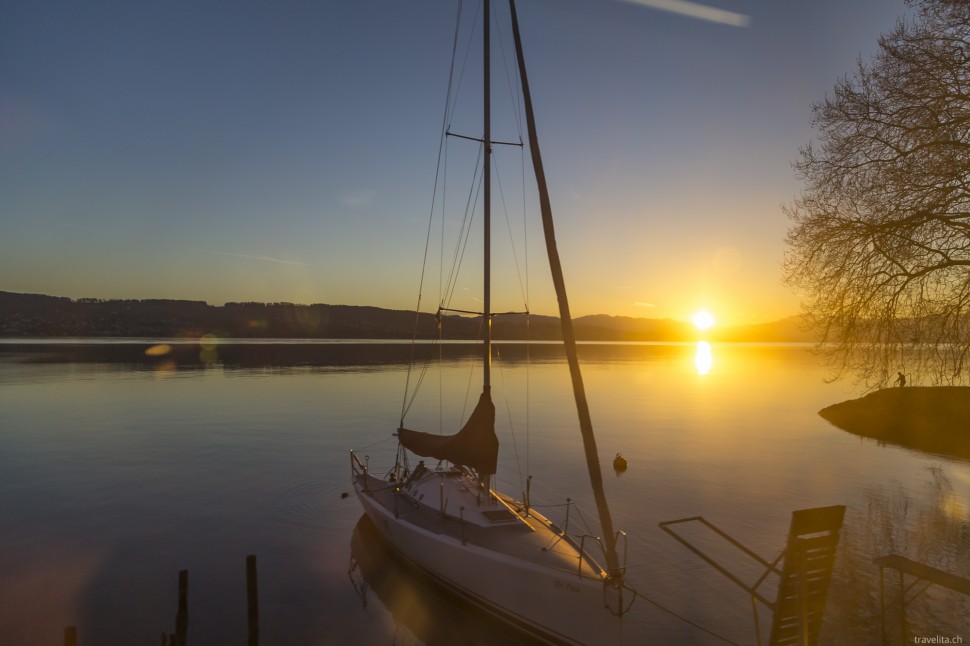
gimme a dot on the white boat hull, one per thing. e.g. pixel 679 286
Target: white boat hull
pixel 554 605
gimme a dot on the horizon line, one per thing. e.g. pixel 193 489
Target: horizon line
pixel 393 309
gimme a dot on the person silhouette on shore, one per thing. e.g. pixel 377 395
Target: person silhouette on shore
pixel 901 380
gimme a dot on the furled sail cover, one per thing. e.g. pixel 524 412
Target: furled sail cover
pixel 475 445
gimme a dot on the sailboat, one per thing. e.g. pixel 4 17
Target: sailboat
pixel 486 546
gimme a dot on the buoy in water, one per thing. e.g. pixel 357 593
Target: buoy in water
pixel 619 463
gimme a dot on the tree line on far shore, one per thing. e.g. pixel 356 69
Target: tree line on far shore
pixel 35 316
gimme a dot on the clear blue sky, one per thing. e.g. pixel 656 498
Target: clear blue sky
pixel 226 151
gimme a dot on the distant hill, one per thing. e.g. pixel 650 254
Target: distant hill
pixel 37 315
pixel 791 329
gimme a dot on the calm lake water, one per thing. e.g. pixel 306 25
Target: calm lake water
pixel 118 468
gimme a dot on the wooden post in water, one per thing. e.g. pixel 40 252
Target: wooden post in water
pixel 70 636
pixel 182 616
pixel 252 598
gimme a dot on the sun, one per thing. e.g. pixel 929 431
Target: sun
pixel 703 320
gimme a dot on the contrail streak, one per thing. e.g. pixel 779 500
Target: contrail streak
pixel 699 11
pixel 242 255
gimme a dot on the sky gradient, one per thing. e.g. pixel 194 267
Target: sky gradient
pixel 252 151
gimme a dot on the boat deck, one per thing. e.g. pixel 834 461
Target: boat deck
pixel 533 538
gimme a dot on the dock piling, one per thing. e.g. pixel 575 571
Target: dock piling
pixel 252 597
pixel 182 617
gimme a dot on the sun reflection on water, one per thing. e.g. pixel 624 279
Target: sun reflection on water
pixel 703 358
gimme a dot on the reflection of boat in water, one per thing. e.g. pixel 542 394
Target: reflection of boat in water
pixel 416 602
pixel 491 549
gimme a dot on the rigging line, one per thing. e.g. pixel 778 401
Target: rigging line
pixel 528 317
pixel 370 446
pixel 468 387
pixel 442 168
pixel 676 615
pixel 528 388
pixel 463 233
pixel 579 510
pixel 408 402
pixel 508 413
pixel 525 227
pixel 467 221
pixel 508 83
pixel 508 225
pixel 417 386
pixel 434 192
pixel 441 237
pixel 464 63
pixel 441 372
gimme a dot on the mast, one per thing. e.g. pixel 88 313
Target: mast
pixel 487 205
pixel 569 337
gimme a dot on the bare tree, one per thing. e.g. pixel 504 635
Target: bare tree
pixel 880 236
